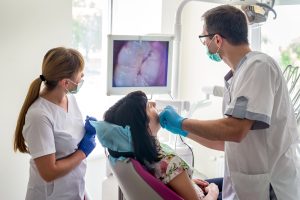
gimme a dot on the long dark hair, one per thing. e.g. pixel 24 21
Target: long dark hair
pixel 131 110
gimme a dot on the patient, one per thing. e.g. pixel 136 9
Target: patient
pixel 141 116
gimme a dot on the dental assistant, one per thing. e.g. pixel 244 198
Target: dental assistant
pixel 50 128
pixel 258 132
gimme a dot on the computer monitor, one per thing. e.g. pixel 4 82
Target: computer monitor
pixel 138 62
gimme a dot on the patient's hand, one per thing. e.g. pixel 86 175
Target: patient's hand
pixel 212 191
pixel 201 183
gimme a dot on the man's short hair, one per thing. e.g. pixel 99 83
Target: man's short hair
pixel 228 21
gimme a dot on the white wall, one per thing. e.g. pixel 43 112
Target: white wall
pixel 136 17
pixel 27 30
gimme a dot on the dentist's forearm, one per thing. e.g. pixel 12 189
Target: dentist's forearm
pixel 212 144
pixel 226 129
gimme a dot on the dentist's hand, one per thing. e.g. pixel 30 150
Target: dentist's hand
pixel 171 121
pixel 89 129
pixel 87 144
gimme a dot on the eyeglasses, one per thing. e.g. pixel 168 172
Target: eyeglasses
pixel 202 37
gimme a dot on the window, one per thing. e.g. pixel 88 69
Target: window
pixel 87 38
pixel 281 37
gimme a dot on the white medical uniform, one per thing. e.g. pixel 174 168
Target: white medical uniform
pixel 50 129
pixel 270 153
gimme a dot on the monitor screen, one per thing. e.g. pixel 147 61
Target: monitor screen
pixel 139 63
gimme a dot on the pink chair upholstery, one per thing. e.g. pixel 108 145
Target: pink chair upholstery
pixel 137 183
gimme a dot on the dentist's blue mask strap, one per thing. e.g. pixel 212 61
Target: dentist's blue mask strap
pixel 213 56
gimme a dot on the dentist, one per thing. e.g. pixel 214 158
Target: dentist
pixel 258 132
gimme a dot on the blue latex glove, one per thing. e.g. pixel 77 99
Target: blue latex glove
pixel 91 118
pixel 170 120
pixel 89 129
pixel 87 144
pixel 176 131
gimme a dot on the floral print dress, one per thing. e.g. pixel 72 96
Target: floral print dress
pixel 171 165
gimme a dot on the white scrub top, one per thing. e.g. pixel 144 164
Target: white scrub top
pixel 50 129
pixel 270 153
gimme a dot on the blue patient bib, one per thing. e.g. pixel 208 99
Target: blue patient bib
pixel 113 137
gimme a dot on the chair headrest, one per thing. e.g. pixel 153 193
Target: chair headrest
pixel 114 137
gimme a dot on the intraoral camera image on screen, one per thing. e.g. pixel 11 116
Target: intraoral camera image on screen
pixel 139 63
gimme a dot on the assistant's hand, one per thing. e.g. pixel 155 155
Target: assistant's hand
pixel 89 129
pixel 87 144
pixel 170 120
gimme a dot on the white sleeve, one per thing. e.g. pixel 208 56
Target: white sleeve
pixel 252 95
pixel 38 134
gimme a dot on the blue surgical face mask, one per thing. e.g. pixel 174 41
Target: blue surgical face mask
pixel 213 56
pixel 77 88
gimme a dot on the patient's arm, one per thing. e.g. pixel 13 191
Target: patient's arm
pixel 183 186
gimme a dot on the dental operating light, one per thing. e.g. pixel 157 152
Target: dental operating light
pixel 255 10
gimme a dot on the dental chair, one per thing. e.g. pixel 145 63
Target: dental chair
pixel 136 183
